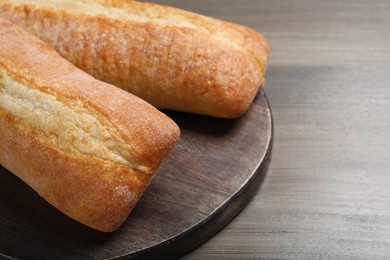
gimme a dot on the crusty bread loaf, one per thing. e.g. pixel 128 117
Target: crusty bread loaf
pixel 87 147
pixel 171 58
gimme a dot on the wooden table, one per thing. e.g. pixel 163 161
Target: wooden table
pixel 327 192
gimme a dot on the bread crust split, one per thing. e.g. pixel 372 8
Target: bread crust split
pixel 169 57
pixel 87 147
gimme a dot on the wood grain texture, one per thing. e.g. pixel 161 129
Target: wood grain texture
pixel 326 195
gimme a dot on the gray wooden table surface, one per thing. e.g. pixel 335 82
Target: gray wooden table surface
pixel 327 192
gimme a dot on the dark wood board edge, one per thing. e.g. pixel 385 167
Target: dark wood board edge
pixel 200 233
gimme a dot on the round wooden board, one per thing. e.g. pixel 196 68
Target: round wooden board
pixel 210 176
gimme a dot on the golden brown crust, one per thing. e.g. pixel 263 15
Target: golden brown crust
pixel 97 192
pixel 171 58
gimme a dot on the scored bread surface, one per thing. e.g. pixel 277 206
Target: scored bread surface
pixel 73 129
pixel 87 147
pixel 172 58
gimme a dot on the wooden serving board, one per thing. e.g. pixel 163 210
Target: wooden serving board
pixel 212 173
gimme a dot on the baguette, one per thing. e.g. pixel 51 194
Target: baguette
pixel 169 57
pixel 87 147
